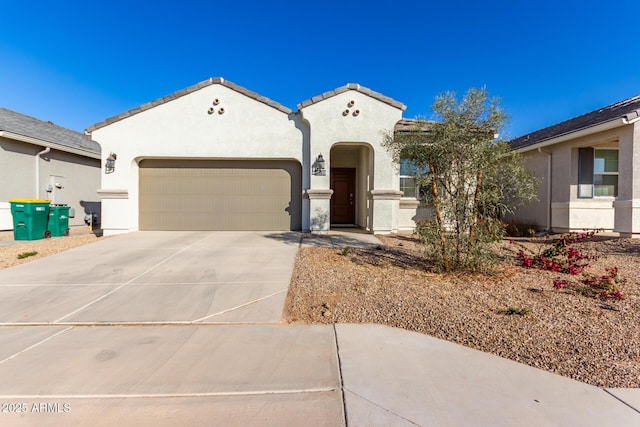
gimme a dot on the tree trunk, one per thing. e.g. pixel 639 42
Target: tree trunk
pixel 474 217
pixel 436 207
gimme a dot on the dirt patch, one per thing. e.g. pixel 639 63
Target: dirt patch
pixel 591 340
pixel 44 247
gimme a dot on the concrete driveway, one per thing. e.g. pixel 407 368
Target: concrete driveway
pixel 163 328
pixel 146 277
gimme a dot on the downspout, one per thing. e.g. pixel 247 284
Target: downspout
pixel 45 151
pixel 548 188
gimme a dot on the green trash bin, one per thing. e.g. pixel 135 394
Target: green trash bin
pixel 58 220
pixel 30 219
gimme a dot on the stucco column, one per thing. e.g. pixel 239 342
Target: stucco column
pixel 627 204
pixel 115 211
pixel 385 206
pixel 320 210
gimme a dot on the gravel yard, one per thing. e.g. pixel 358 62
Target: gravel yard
pixel 44 247
pixel 591 340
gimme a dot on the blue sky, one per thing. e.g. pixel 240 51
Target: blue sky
pixel 79 62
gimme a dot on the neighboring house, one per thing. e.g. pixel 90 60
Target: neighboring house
pixel 589 168
pixel 39 160
pixel 216 156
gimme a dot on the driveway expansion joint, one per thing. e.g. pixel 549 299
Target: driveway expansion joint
pixel 381 407
pixel 169 395
pixel 42 341
pixel 620 400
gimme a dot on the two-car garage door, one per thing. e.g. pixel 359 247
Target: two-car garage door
pixel 220 195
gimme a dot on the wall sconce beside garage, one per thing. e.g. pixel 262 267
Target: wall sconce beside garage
pixel 110 165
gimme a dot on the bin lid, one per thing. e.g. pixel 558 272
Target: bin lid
pixel 29 201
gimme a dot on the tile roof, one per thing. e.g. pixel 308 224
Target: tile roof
pixel 20 124
pixel 356 87
pixel 629 108
pixel 186 91
pixel 411 125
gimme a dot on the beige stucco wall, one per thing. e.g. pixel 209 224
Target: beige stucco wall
pixel 537 211
pixel 627 204
pixel 17 168
pixel 81 177
pixel 568 211
pixel 183 128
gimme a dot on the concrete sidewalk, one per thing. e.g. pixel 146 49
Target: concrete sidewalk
pixel 182 329
pixel 356 375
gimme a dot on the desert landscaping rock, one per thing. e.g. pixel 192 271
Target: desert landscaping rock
pixel 591 340
pixel 44 247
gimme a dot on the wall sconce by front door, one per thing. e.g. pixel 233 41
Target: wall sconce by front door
pixel 110 166
pixel 318 166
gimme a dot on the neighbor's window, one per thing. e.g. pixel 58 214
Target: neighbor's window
pixel 597 172
pixel 408 185
pixel 605 173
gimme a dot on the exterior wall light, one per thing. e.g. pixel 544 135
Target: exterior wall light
pixel 318 166
pixel 110 166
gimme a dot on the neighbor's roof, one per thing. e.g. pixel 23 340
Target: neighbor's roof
pixel 13 125
pixel 186 91
pixel 356 87
pixel 628 108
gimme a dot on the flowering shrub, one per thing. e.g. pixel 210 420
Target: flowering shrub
pixel 561 257
pixel 606 285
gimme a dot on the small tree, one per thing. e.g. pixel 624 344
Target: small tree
pixel 471 177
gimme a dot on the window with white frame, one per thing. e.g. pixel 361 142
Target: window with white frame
pixel 605 172
pixel 408 185
pixel 597 172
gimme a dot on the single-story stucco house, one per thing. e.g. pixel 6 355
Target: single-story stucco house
pixel 40 160
pixel 589 170
pixel 216 156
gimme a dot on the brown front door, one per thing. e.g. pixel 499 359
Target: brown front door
pixel 343 184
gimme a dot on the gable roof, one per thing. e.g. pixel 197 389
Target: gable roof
pixel 21 127
pixel 628 109
pixel 186 91
pixel 356 87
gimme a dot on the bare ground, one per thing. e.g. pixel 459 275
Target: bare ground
pixel 589 339
pixel 44 247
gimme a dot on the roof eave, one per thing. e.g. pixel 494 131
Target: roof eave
pixel 600 127
pixel 352 86
pixel 182 92
pixel 43 143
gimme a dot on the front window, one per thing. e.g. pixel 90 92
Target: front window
pixel 605 173
pixel 408 185
pixel 597 172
